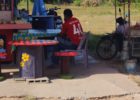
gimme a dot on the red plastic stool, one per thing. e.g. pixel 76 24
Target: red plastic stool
pixel 64 59
pixel 2 56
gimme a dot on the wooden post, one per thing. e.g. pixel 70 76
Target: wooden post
pixel 12 9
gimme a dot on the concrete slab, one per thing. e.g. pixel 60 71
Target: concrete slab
pixel 99 80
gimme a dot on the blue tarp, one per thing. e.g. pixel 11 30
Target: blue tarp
pixel 39 8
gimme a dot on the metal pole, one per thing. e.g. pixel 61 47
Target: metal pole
pixel 115 14
pixel 124 10
pixel 28 6
pixel 129 19
pixel 12 9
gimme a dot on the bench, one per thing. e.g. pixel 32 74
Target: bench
pixel 65 55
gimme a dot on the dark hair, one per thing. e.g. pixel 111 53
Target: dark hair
pixel 121 21
pixel 68 13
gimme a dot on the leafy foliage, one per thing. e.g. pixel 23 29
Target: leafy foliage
pixel 77 2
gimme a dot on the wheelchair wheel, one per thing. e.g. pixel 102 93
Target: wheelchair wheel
pixel 106 49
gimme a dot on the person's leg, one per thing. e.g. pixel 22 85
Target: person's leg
pixel 65 44
pixel 119 41
pixel 120 38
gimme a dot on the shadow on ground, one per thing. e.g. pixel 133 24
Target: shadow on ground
pixel 78 70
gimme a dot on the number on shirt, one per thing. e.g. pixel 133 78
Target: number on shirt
pixel 77 29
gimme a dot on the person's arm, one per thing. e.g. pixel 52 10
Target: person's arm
pixel 63 30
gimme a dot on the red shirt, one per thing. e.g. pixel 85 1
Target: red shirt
pixel 73 30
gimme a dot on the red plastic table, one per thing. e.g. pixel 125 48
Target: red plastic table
pixel 64 58
pixel 35 66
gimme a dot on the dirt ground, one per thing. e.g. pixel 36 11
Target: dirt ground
pixel 123 97
pixel 120 85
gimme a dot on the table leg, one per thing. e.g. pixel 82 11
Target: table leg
pixel 64 65
pixel 35 67
pixel 60 64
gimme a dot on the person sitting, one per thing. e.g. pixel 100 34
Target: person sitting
pixel 70 36
pixel 71 32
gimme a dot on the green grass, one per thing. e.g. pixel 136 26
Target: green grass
pixel 66 76
pixel 97 20
pixel 92 42
pixel 1 78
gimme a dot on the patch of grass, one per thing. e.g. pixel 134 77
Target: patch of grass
pixel 30 98
pixel 66 76
pixel 97 20
pixel 92 42
pixel 1 78
pixel 135 78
